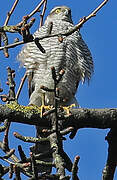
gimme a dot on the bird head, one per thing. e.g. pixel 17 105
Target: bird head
pixel 60 13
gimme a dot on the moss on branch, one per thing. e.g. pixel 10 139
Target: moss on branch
pixel 80 118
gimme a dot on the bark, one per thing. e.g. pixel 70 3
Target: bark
pixel 78 118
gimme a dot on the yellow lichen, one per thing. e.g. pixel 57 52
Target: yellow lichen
pixel 33 109
pixel 26 109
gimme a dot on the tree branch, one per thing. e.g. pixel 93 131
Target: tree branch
pixel 86 18
pixel 80 118
pixel 67 33
pixel 10 12
pixel 109 169
pixel 43 13
pixel 36 9
pixel 20 86
pixel 75 168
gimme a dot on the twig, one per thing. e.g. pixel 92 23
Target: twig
pixel 49 112
pixel 22 154
pixel 12 45
pixel 68 162
pixel 43 13
pixel 18 27
pixel 97 9
pixel 73 132
pixel 36 9
pixel 5 144
pixel 11 83
pixel 56 138
pixel 39 156
pixel 9 154
pixel 29 139
pixel 75 168
pixel 54 117
pixel 3 128
pixel 8 161
pixel 10 12
pixel 109 170
pixel 13 157
pixel 5 41
pixel 20 86
pixel 57 146
pixel 69 32
pixel 17 172
pixel 5 139
pixel 45 163
pixel 93 14
pixel 34 166
pixel 10 171
pixel 60 158
pixel 3 35
pixel 11 96
pixel 3 170
pixel 66 131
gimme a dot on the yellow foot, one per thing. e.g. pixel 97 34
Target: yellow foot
pixel 43 108
pixel 67 108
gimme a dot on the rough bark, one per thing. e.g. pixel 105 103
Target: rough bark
pixel 79 118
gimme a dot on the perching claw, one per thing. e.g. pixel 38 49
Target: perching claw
pixel 43 106
pixel 67 108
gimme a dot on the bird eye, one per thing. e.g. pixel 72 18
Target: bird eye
pixel 58 11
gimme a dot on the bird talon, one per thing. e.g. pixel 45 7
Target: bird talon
pixel 43 108
pixel 67 109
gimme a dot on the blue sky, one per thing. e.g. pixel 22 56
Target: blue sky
pixel 100 35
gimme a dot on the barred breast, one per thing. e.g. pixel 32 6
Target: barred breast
pixel 72 55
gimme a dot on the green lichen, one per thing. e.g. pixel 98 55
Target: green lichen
pixel 33 109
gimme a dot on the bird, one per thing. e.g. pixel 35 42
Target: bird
pixel 70 53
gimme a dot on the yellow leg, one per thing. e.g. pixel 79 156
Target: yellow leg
pixel 43 106
pixel 67 108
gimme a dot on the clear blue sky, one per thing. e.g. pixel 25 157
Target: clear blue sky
pixel 100 35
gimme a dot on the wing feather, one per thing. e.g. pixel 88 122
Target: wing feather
pixel 79 54
pixel 72 55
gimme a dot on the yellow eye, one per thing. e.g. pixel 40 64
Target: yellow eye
pixel 58 11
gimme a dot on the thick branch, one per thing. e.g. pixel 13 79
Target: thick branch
pixel 80 118
pixel 109 170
